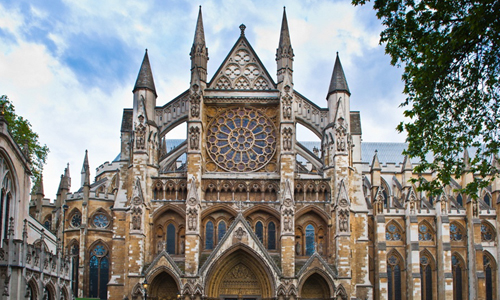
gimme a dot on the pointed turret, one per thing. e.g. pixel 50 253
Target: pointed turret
pixel 338 82
pixel 376 162
pixel 199 51
pixel 145 86
pixel 145 78
pixel 86 170
pixel 39 187
pixel 284 53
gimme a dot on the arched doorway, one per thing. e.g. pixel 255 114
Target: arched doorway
pixel 163 287
pixel 239 275
pixel 315 287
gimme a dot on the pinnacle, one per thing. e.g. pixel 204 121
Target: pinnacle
pixel 285 33
pixel 145 77
pixel 199 34
pixel 338 82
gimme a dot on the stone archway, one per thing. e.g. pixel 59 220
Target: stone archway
pixel 163 287
pixel 239 275
pixel 315 287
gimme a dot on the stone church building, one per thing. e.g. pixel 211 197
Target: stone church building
pixel 241 209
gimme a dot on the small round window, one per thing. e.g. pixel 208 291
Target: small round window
pixel 76 220
pixel 101 221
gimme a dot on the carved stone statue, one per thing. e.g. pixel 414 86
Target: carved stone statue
pixel 194 137
pixel 297 248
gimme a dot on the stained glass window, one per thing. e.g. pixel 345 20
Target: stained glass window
pixel 101 221
pixel 221 230
pixel 460 200
pixel 209 235
pixel 259 231
pixel 76 220
pixel 457 278
pixel 394 277
pixel 310 240
pixel 98 272
pixel 456 233
pixel 171 239
pixel 424 233
pixel 489 272
pixel 75 256
pixel 47 224
pixel 241 139
pixel 487 233
pixel 271 236
pixel 392 233
pixel 426 275
pixel 487 199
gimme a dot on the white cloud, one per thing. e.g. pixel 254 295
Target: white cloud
pixel 71 115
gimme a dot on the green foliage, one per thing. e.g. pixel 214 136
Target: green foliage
pixel 450 51
pixel 24 136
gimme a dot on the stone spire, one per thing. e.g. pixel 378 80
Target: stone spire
pixel 199 51
pixel 376 162
pixel 86 170
pixel 145 77
pixel 39 187
pixel 338 82
pixel 284 53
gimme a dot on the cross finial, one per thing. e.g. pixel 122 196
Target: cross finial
pixel 242 28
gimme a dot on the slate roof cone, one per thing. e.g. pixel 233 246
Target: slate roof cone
pixel 145 78
pixel 338 82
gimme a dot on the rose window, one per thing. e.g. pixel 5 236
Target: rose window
pixel 241 140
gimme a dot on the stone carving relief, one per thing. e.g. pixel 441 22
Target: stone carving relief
pixel 379 202
pixel 195 99
pixel 192 219
pixel 287 138
pixel 194 138
pixel 136 218
pixel 288 219
pixel 341 135
pixel 140 134
pixel 287 100
pixel 344 220
pixel 240 233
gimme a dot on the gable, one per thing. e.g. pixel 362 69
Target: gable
pixel 242 70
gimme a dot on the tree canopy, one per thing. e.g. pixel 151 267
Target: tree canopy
pixel 22 133
pixel 450 52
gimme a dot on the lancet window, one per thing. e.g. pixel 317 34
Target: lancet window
pixel 426 275
pixel 259 231
pixel 458 269
pixel 209 235
pixel 98 272
pixel 221 230
pixel 394 277
pixel 489 273
pixel 171 239
pixel 310 239
pixel 271 236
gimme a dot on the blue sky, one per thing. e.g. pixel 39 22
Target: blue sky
pixel 70 66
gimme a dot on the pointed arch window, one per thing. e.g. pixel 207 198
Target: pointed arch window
pixel 271 236
pixel 209 235
pixel 457 269
pixel 489 273
pixel 75 257
pixel 6 195
pixel 99 272
pixel 487 199
pixel 460 200
pixel 310 238
pixel 425 232
pixel 456 232
pixel 259 231
pixel 393 232
pixel 426 276
pixel 221 230
pixel 171 238
pixel 394 277
pixel 487 233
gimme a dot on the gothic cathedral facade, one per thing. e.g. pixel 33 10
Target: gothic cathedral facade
pixel 241 209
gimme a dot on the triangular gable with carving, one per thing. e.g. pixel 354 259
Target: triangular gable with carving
pixel 239 233
pixel 137 196
pixel 164 260
pixel 342 195
pixel 321 262
pixel 242 70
